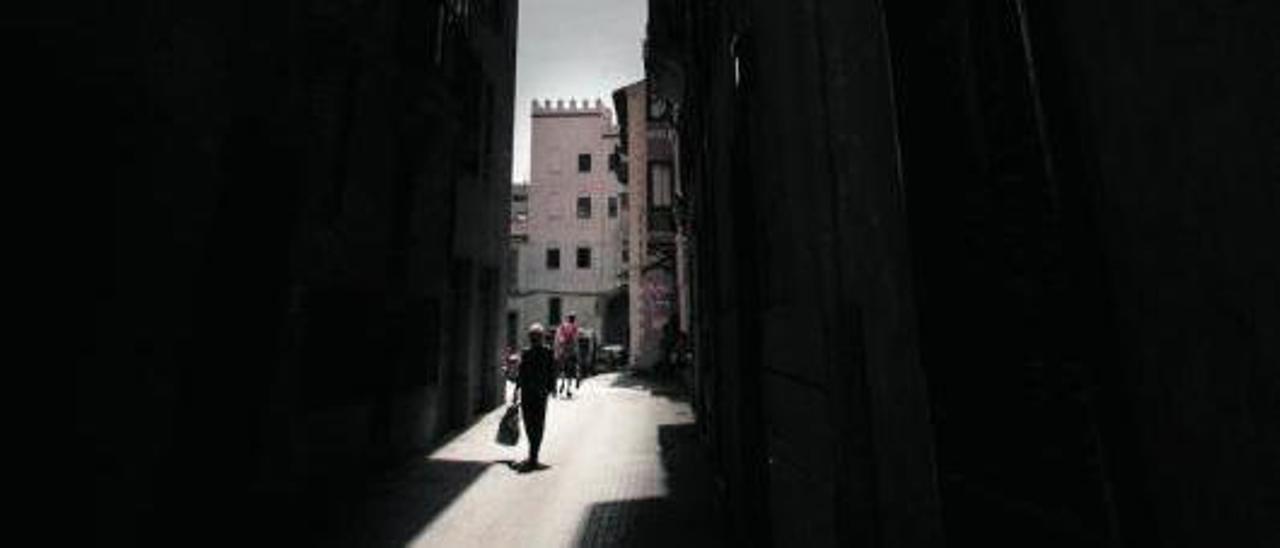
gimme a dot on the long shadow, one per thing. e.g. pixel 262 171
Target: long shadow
pixel 346 508
pixel 686 516
pixel 387 513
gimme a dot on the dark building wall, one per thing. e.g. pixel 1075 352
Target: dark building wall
pixel 1167 113
pixel 1083 184
pixel 842 392
pixel 729 395
pixel 813 396
pixel 271 204
pixel 1053 217
pixel 1006 276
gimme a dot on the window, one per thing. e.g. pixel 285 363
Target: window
pixel 626 255
pixel 584 207
pixel 554 307
pixel 622 198
pixel 658 108
pixel 584 163
pixel 553 259
pixel 613 207
pixel 584 257
pixel 659 184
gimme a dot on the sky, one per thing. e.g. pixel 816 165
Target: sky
pixel 574 49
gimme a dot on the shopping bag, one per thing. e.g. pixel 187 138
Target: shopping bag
pixel 509 427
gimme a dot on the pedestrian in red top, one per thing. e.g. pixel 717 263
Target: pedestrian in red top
pixel 566 348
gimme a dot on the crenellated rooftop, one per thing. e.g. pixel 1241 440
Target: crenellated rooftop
pixel 562 107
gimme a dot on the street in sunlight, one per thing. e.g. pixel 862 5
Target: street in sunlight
pixel 623 467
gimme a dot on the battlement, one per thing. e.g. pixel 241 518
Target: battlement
pixel 561 107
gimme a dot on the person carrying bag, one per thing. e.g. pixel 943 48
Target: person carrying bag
pixel 509 428
pixel 534 384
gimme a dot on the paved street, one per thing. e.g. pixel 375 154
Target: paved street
pixel 624 468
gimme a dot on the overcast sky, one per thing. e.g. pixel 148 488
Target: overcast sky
pixel 574 49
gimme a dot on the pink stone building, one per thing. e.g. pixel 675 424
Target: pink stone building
pixel 569 224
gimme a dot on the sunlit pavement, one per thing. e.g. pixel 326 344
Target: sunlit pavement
pixel 624 468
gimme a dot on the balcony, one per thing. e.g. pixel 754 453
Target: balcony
pixel 662 223
pixel 519 227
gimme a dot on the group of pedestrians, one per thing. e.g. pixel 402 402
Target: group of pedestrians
pixel 545 372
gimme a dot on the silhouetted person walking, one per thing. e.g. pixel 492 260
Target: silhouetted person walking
pixel 536 380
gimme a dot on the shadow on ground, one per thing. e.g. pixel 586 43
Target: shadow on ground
pixel 391 512
pixel 687 516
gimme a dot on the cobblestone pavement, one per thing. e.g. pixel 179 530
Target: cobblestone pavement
pixel 624 469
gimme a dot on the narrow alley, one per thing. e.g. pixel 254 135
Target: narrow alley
pixel 623 469
pixel 927 274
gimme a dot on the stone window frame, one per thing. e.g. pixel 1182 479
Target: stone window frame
pixel 553 251
pixel 555 310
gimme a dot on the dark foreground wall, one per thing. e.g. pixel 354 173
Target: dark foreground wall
pixel 810 383
pixel 1168 114
pixel 1092 191
pixel 985 272
pixel 282 231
